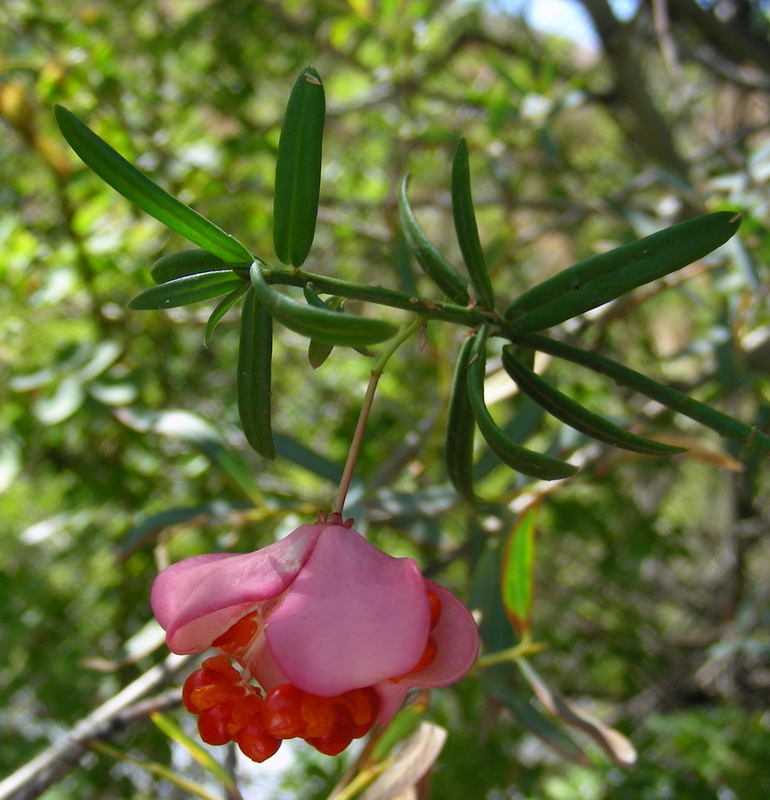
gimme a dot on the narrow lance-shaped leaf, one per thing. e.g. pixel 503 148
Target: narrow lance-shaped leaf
pixel 188 262
pixel 184 426
pixel 614 743
pixel 461 427
pixel 318 352
pixel 298 170
pixel 517 578
pixel 187 290
pixel 153 768
pixel 255 353
pixel 575 415
pixel 598 280
pixel 170 727
pixel 224 305
pixel 320 324
pixel 672 398
pixel 135 186
pixel 441 272
pixel 401 726
pixel 526 714
pixel 509 452
pixel 466 229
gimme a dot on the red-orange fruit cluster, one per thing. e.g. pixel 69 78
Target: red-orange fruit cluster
pixel 231 709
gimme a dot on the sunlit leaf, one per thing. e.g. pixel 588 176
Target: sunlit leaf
pixel 62 403
pixel 10 463
pixel 518 562
pixel 170 727
pixel 160 770
pixel 298 170
pixel 401 726
pixel 134 185
pixel 189 427
pixel 138 646
pixel 486 591
pixel 103 355
pixel 151 526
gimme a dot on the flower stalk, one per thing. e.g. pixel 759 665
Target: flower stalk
pixel 358 435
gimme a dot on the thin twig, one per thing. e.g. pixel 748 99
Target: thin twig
pixel 39 774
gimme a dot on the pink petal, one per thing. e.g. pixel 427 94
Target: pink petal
pixel 198 599
pixel 457 641
pixel 353 617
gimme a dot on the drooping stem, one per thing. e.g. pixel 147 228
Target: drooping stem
pixel 358 434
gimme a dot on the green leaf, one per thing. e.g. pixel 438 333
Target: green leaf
pixel 188 262
pixel 224 305
pixel 194 429
pixel 314 299
pixel 318 352
pixel 187 290
pixel 255 352
pixel 527 715
pixel 443 274
pixel 11 463
pixel 170 727
pixel 465 226
pixel 303 456
pixel 461 427
pixel 509 452
pixel 150 527
pixel 319 324
pixel 154 768
pixel 66 399
pixel 577 417
pixel 298 170
pixel 518 561
pixel 135 186
pixel 672 398
pixel 401 726
pixel 605 277
pixel 614 743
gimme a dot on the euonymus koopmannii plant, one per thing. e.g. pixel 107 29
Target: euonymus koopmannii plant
pixel 326 691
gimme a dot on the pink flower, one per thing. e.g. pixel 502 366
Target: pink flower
pixel 335 632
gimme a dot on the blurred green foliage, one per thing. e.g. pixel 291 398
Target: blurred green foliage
pixel 651 576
